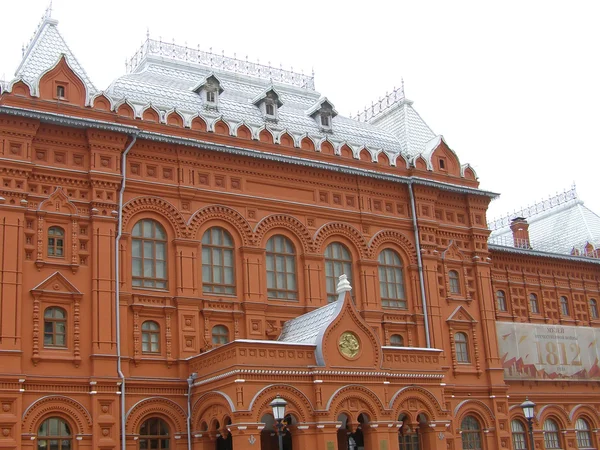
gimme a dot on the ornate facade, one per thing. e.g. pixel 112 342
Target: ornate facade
pixel 171 251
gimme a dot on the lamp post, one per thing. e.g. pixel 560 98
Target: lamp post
pixel 528 411
pixel 278 405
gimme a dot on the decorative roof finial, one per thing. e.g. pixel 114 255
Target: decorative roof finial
pixel 48 13
pixel 343 284
pixel 147 32
pixel 402 87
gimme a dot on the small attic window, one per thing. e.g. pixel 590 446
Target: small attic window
pixel 442 164
pixel 211 97
pixel 60 92
pixel 325 120
pixel 270 109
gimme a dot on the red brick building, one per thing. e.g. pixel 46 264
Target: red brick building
pixel 171 253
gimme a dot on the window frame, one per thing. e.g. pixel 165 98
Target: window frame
pixel 211 287
pixel 397 284
pixel 399 338
pixel 54 246
pixel 522 434
pixel 271 258
pixel 580 431
pixel 501 300
pixel 533 300
pixel 454 282
pixel 564 306
pixel 463 355
pixel 57 437
pixel 54 321
pixel 147 335
pixel 149 438
pixel 593 305
pixel 333 263
pixel 218 336
pixel 552 436
pixel 471 435
pixel 156 243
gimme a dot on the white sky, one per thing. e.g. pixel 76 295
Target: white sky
pixel 513 86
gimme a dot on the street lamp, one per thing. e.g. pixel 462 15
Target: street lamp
pixel 528 412
pixel 278 405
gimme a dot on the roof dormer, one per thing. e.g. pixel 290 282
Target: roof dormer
pixel 209 90
pixel 269 103
pixel 323 112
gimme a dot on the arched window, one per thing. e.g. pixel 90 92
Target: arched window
pixel 533 304
pixel 154 434
pixel 220 335
pixel 391 280
pixel 551 438
pixel 471 434
pixel 564 306
pixel 56 242
pixel 55 327
pixel 454 282
pixel 281 268
pixel 337 262
pixel 584 438
pixel 396 340
pixel 54 434
pixel 462 348
pixel 217 262
pixel 150 337
pixel 593 308
pixel 149 255
pixel 519 436
pixel 501 301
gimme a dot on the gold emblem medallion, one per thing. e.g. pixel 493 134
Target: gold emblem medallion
pixel 349 345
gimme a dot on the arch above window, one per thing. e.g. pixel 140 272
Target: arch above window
pixel 55 327
pixel 338 261
pixel 220 335
pixel 391 279
pixel 281 268
pixel 149 255
pixel 54 434
pixel 154 434
pixel 218 262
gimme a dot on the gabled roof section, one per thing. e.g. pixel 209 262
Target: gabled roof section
pixel 260 97
pixel 322 103
pixel 209 77
pixel 305 329
pixel 56 284
pixel 562 224
pixel 44 51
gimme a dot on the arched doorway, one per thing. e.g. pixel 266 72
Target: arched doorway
pixel 351 437
pixel 224 439
pixel 410 436
pixel 268 436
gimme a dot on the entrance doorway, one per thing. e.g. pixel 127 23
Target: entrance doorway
pixel 268 436
pixel 350 437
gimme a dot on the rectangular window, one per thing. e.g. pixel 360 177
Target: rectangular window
pixel 270 109
pixel 211 96
pixel 60 92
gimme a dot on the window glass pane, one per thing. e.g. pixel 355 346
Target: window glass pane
pixel 161 271
pixel 60 340
pixel 136 248
pixel 136 267
pixel 160 251
pixel 228 258
pixel 148 268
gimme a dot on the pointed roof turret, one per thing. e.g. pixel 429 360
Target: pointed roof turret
pixel 43 53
